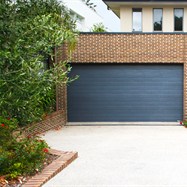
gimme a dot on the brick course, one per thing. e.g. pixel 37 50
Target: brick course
pixel 130 48
pixel 53 121
pixel 65 158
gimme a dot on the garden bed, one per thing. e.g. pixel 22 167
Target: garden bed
pixel 56 162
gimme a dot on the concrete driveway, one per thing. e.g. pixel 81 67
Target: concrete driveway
pixel 122 156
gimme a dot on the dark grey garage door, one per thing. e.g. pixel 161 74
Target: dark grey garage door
pixel 125 93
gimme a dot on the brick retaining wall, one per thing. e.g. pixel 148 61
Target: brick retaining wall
pixel 53 121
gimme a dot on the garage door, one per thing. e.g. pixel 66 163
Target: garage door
pixel 126 93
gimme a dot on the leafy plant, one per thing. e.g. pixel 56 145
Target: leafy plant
pixel 30 32
pixel 184 123
pixel 19 155
pixel 98 28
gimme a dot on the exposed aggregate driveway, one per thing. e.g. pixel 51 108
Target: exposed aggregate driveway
pixel 122 156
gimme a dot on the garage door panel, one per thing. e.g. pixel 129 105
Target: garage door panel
pixel 125 112
pixel 151 108
pixel 129 93
pixel 133 98
pixel 121 92
pixel 131 85
pixel 125 118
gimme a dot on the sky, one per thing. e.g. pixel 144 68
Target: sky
pixel 109 18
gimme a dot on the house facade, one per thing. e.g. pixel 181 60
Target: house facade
pixel 150 16
pixel 135 76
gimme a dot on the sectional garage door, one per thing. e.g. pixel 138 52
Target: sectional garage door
pixel 126 93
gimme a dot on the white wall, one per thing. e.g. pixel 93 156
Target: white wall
pixel 90 16
pixel 147 17
pixel 126 19
pixel 168 19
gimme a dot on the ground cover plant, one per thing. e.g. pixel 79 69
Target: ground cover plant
pixel 19 155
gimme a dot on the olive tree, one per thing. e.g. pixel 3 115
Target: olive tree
pixel 29 32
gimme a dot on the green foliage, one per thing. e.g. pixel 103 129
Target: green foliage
pixel 19 155
pixel 30 31
pixel 98 28
pixel 184 123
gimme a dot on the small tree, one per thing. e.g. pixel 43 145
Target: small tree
pixel 99 27
pixel 29 31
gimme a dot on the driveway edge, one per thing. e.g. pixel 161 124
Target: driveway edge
pixel 65 158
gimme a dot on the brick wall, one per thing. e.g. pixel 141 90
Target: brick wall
pixel 131 48
pixel 53 121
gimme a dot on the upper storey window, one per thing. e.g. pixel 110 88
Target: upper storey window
pixel 178 19
pixel 137 19
pixel 157 19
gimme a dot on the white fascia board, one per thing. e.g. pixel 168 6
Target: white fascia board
pixel 115 6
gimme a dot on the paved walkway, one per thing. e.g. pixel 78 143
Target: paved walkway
pixel 130 156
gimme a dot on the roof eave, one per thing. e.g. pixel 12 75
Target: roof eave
pixel 114 5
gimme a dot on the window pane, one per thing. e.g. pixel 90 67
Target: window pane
pixel 137 19
pixel 178 13
pixel 157 19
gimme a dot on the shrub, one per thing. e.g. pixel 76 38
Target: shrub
pixel 184 123
pixel 19 155
pixel 29 40
pixel 99 27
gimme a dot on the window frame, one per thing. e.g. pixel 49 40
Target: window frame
pixel 141 20
pixel 154 20
pixel 174 20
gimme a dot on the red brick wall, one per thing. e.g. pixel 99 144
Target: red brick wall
pixel 52 121
pixel 130 48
